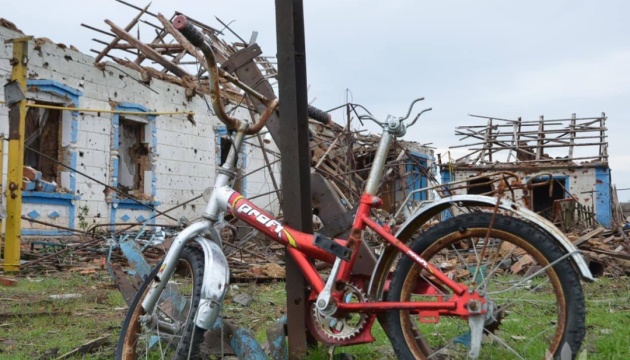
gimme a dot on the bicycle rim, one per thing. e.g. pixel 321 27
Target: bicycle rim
pixel 167 331
pixel 527 297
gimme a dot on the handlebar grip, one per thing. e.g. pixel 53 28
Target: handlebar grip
pixel 181 23
pixel 319 115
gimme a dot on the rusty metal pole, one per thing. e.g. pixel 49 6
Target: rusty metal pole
pixel 15 98
pixel 296 186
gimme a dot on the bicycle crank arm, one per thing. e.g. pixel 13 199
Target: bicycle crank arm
pixel 476 323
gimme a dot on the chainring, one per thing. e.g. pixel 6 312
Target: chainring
pixel 340 329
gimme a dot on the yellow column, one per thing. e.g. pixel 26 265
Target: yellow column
pixel 15 95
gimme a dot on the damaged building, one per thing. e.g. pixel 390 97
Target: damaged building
pixel 117 139
pixel 103 147
pixel 563 164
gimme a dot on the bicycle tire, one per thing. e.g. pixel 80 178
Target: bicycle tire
pixel 176 309
pixel 546 315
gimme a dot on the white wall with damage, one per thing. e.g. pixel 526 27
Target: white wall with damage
pixel 181 160
pixel 580 182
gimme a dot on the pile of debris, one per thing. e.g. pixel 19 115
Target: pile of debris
pixel 340 154
pixel 607 251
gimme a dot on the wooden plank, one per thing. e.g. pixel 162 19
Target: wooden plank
pixel 588 236
pixel 150 53
pixel 87 347
pixel 118 37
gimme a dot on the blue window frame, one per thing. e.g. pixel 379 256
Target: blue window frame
pixel 415 175
pixel 57 94
pixel 120 205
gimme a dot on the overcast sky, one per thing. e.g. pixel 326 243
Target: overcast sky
pixel 497 58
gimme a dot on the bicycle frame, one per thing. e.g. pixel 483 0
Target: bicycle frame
pixel 302 249
pixel 336 298
pixel 300 246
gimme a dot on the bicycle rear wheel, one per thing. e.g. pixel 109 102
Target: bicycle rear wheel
pixel 167 331
pixel 537 306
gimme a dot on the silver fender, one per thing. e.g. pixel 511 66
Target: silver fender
pixel 216 279
pixel 429 210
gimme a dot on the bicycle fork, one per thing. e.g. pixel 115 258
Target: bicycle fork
pixel 216 275
pixel 216 272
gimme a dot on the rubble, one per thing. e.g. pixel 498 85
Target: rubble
pixel 343 156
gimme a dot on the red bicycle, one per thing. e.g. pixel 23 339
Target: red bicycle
pixel 451 291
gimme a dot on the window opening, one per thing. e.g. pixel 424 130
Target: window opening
pixel 480 186
pixel 42 134
pixel 541 199
pixel 225 146
pixel 225 143
pixel 134 157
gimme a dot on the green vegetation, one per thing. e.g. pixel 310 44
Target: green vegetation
pixel 35 326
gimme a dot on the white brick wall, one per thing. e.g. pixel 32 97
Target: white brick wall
pixel 185 154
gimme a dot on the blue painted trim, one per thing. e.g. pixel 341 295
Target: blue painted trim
pixel 53 87
pixel 115 162
pixel 50 195
pixel 124 106
pixel 422 155
pixel 416 180
pixel 132 205
pixel 38 197
pixel 603 211
pixel 125 203
pixel 220 130
pixel 112 217
pixel 133 253
pixel 566 178
pixel 445 176
pixel 127 106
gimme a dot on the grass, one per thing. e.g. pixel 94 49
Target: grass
pixel 34 326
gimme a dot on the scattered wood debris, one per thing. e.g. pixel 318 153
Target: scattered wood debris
pixel 88 347
pixel 7 281
pixel 340 154
pixel 605 250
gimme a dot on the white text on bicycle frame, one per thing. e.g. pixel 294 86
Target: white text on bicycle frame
pixel 261 218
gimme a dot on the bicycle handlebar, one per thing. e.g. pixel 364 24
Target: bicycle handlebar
pixel 197 39
pixel 411 107
pixel 400 120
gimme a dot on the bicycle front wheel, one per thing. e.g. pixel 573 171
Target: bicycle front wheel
pixel 536 305
pixel 167 331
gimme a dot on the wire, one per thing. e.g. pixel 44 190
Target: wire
pixel 122 112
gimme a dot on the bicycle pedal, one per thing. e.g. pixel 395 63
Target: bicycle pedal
pixel 331 247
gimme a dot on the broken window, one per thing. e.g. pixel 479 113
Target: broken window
pixel 544 195
pixel 133 153
pixel 480 186
pixel 42 140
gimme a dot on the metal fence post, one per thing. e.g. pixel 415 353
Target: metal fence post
pixel 296 187
pixel 15 98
